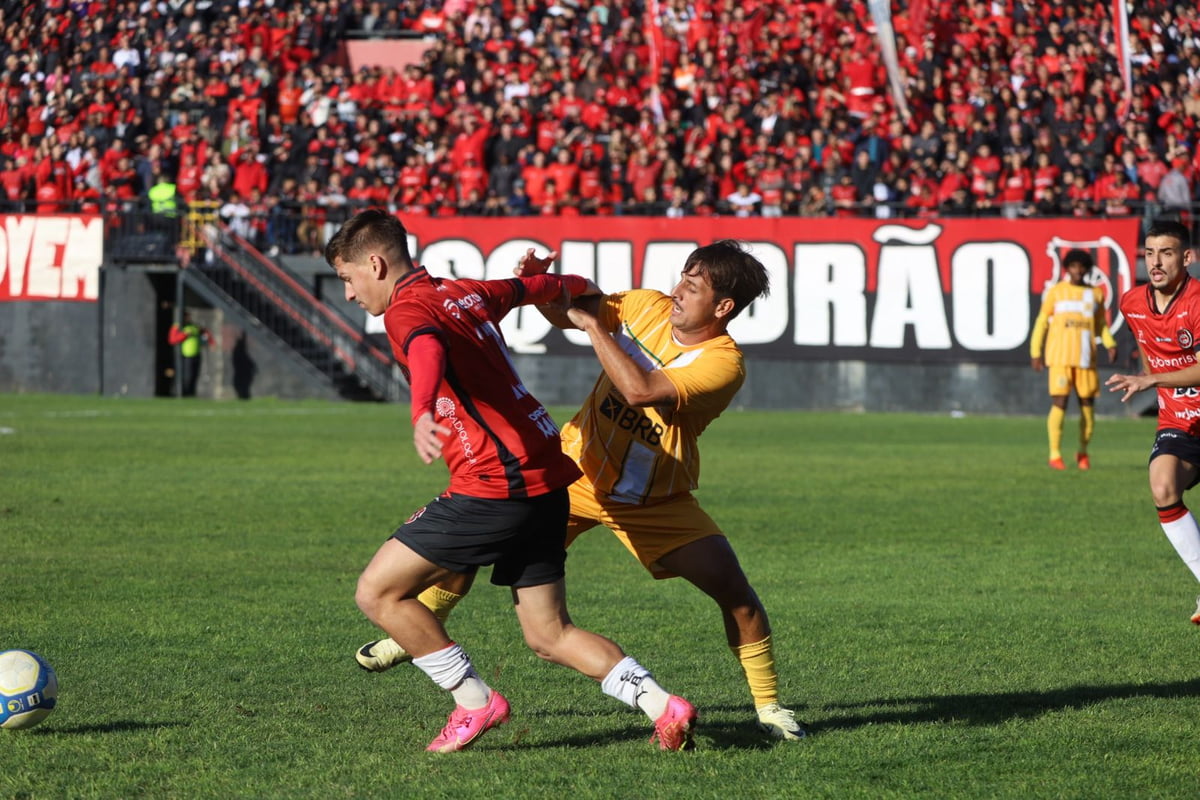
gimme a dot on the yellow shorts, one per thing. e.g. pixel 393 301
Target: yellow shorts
pixel 649 532
pixel 1085 381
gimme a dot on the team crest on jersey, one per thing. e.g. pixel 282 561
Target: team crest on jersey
pixel 1184 338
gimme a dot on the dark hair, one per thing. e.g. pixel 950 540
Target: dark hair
pixel 370 229
pixel 732 271
pixel 1078 256
pixel 1172 228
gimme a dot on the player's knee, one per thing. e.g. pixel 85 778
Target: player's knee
pixel 367 598
pixel 732 591
pixel 542 646
pixel 546 641
pixel 1165 490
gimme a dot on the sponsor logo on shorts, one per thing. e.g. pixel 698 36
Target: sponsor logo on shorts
pixel 416 515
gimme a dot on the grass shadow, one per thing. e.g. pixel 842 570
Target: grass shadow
pixel 993 709
pixel 120 726
pixel 710 734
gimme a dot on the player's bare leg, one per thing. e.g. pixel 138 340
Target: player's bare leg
pixel 711 566
pixel 387 594
pixel 549 632
pixel 1169 477
pixel 381 655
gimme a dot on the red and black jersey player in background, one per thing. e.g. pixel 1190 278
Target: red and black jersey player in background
pixel 507 502
pixel 1164 316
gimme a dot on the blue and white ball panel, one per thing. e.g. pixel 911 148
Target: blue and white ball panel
pixel 28 689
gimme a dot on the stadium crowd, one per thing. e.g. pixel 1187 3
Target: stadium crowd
pixel 553 107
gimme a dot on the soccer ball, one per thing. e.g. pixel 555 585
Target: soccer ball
pixel 28 689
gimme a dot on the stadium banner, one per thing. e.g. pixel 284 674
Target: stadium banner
pixel 937 290
pixel 51 257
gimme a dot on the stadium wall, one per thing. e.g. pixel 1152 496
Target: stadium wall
pixel 945 340
pixel 859 386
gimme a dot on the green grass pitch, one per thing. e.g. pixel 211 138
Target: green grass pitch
pixel 951 618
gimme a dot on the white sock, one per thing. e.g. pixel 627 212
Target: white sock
pixel 1185 537
pixel 451 669
pixel 632 684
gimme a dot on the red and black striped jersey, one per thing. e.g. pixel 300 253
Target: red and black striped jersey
pixel 1167 341
pixel 503 443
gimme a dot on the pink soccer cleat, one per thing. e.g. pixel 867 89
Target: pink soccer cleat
pixel 673 729
pixel 468 724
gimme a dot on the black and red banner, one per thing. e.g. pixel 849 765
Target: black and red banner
pixel 929 290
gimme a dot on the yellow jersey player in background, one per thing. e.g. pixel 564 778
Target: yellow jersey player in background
pixel 669 369
pixel 1070 322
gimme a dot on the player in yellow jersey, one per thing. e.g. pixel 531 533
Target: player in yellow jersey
pixel 1068 325
pixel 670 369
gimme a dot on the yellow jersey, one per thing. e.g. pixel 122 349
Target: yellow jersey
pixel 1070 319
pixel 644 455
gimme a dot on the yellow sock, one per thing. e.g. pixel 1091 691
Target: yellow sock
pixel 1054 427
pixel 439 601
pixel 758 662
pixel 1087 424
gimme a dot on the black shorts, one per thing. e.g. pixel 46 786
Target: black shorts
pixel 524 539
pixel 1180 444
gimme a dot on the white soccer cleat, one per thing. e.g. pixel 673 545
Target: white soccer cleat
pixel 780 722
pixel 381 655
pixel 1196 616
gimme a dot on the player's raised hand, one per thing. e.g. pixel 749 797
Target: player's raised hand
pixel 531 265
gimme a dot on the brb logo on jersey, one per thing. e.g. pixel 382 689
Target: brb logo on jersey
pixel 631 419
pixel 1184 338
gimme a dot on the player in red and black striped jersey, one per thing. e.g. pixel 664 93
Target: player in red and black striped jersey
pixel 499 442
pixel 1164 317
pixel 507 503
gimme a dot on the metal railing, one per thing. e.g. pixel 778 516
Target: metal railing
pixel 320 334
pixel 227 269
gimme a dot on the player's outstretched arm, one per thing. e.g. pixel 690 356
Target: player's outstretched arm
pixel 556 312
pixel 1130 385
pixel 640 387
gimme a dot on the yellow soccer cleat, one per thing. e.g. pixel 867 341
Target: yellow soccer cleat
pixel 381 655
pixel 780 722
